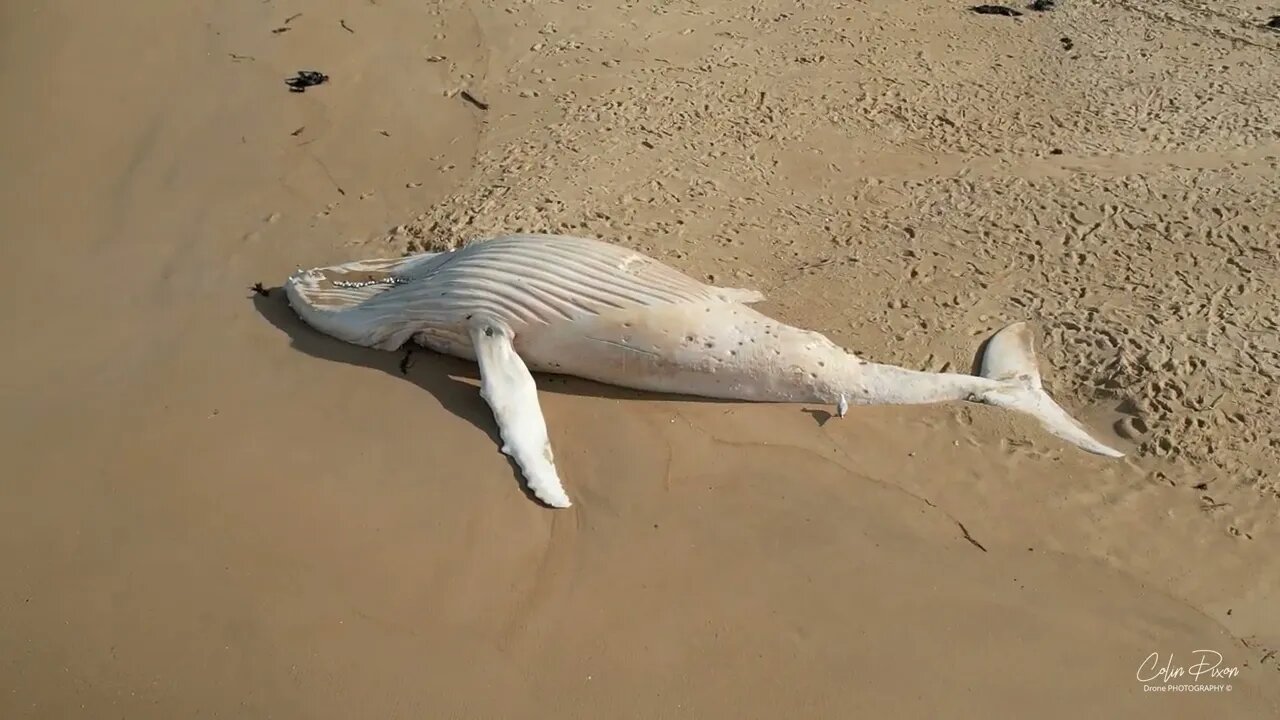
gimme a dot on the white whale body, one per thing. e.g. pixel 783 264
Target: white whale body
pixel 587 308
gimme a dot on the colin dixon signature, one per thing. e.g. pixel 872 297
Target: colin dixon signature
pixel 1207 666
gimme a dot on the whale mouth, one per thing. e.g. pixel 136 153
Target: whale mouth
pixel 348 285
pixel 340 299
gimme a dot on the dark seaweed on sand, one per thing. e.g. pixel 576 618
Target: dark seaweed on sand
pixel 995 10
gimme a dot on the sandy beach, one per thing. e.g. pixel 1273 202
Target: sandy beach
pixel 210 510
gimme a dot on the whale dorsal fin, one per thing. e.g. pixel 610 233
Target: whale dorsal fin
pixel 743 296
pixel 508 387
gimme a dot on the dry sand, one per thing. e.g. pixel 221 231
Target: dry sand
pixel 211 511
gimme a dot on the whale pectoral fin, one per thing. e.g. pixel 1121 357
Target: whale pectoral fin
pixel 508 387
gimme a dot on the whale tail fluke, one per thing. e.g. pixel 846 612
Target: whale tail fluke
pixel 1010 357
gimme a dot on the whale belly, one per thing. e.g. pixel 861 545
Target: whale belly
pixel 720 350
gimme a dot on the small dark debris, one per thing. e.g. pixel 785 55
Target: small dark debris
pixel 995 10
pixel 1210 504
pixel 298 132
pixel 260 289
pixel 292 17
pixel 1274 22
pixel 473 100
pixel 281 29
pixel 305 79
pixel 406 362
pixel 1056 151
pixel 384 132
pixel 1067 43
pixel 346 27
pixel 1228 611
pixel 1042 5
pixel 238 58
pixel 969 537
pixel 1201 486
pixel 647 144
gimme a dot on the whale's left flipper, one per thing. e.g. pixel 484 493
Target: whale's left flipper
pixel 508 387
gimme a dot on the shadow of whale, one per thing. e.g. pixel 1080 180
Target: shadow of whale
pixel 454 382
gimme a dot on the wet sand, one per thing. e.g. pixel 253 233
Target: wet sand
pixel 210 510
